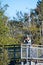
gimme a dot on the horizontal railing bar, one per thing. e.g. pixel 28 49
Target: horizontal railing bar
pixel 32 58
pixel 31 45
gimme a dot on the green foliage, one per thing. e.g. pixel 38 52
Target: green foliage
pixel 17 28
pixel 4 29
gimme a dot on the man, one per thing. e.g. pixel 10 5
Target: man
pixel 27 40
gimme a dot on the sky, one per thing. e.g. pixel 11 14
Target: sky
pixel 18 5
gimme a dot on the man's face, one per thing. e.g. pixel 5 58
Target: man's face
pixel 28 38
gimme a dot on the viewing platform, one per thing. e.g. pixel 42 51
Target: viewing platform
pixel 22 54
pixel 32 52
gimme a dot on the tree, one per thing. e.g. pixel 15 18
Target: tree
pixel 5 38
pixel 35 27
pixel 3 28
pixel 39 10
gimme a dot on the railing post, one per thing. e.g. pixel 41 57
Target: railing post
pixel 30 62
pixel 22 63
pixel 27 51
pixel 21 50
pixel 29 55
pixel 37 53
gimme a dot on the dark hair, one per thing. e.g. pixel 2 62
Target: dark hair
pixel 25 37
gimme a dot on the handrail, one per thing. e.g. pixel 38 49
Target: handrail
pixel 33 45
pixel 34 50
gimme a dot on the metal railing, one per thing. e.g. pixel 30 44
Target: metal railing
pixel 31 52
pixel 10 53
